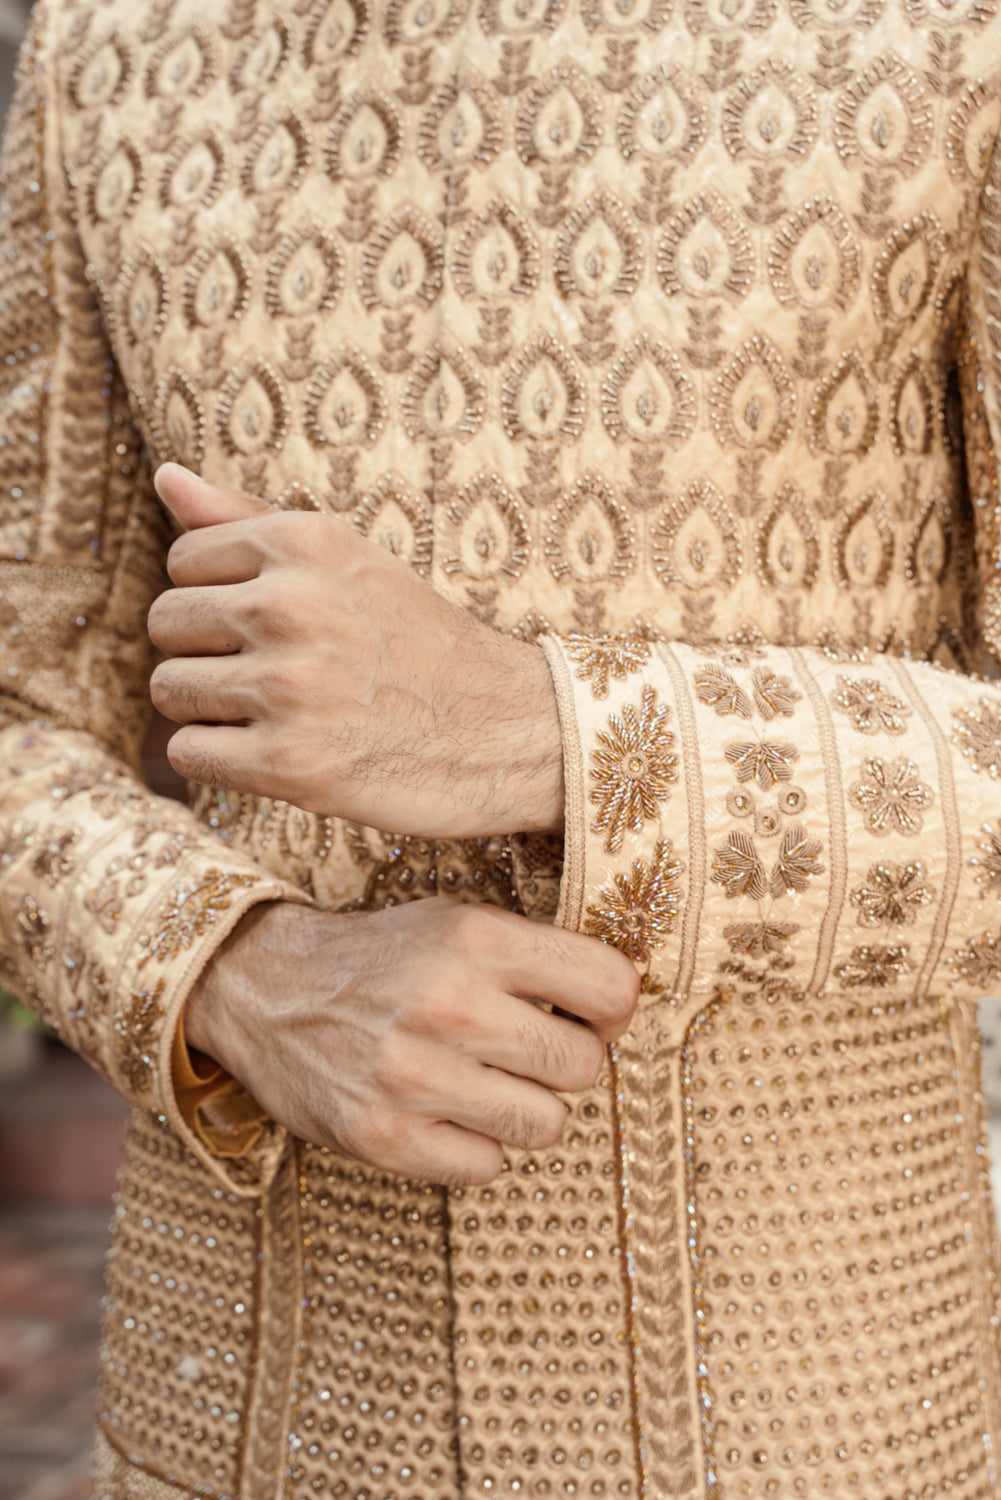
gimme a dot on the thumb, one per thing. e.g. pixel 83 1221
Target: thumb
pixel 194 502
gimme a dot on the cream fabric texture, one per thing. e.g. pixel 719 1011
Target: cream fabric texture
pixel 667 334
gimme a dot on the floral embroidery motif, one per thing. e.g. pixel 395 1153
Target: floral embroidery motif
pixel 774 695
pixel 892 894
pixel 979 960
pixel 760 939
pixel 135 1036
pixel 891 795
pixel 14 840
pixel 633 768
pixel 978 735
pixel 875 967
pixel 714 685
pixel 190 910
pixel 738 867
pixel 33 923
pixel 762 762
pixel 871 706
pixel 639 910
pixel 53 862
pixel 797 862
pixel 988 863
pixel 599 659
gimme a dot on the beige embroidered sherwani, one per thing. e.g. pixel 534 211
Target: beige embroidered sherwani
pixel 667 332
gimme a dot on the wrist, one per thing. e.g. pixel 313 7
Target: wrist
pixel 222 1011
pixel 536 781
pixel 506 773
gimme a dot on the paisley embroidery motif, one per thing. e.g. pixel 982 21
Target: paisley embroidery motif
pixel 485 537
pixel 560 119
pixel 815 258
pixel 664 116
pixel 885 117
pixel 117 184
pixel 143 297
pixel 277 157
pixel 590 538
pixel 864 544
pixel 216 286
pixel 335 31
pixel 753 400
pixel 181 67
pixel 543 393
pixel 695 541
pixel 705 251
pixel 598 252
pixel 497 256
pixel 402 263
pixel 460 126
pixel 345 402
pixel 771 113
pixel 366 140
pixel 398 519
pixel 444 396
pixel 180 419
pixel 305 275
pixel 786 546
pixel 646 396
pixel 102 75
pixel 195 172
pixel 252 414
pixel 844 414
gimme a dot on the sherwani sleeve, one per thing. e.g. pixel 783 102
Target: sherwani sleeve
pixel 784 816
pixel 112 899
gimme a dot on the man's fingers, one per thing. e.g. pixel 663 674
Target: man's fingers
pixel 216 555
pixel 445 1153
pixel 510 1110
pixel 573 973
pixel 214 755
pixel 195 503
pixel 206 690
pixel 194 622
pixel 550 1050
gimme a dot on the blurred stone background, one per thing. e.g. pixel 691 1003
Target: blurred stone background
pixel 59 1132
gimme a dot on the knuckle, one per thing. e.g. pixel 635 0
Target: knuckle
pixel 476 1174
pixel 371 1134
pixel 434 1007
pixel 394 1070
pixel 588 1061
pixel 550 1126
pixel 525 1128
pixel 267 609
pixel 544 1044
pixel 179 556
pixel 159 685
pixel 470 930
pixel 158 619
pixel 276 682
pixel 620 995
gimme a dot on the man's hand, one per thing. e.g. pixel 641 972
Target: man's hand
pixel 408 1038
pixel 311 665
